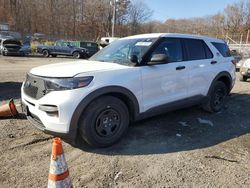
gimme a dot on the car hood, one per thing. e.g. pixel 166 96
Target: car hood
pixel 246 63
pixel 71 69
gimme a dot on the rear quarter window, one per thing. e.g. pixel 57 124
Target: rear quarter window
pixel 222 48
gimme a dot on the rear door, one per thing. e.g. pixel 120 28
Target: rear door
pixel 201 64
pixel 165 83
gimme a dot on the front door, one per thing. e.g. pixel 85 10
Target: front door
pixel 165 83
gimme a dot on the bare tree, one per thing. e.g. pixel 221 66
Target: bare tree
pixel 139 12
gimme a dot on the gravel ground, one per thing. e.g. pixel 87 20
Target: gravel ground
pixel 170 150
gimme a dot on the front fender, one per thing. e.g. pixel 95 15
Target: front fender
pixel 100 92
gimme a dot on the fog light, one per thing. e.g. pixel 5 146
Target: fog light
pixel 48 108
pixel 51 110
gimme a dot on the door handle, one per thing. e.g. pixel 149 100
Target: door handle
pixel 213 62
pixel 180 67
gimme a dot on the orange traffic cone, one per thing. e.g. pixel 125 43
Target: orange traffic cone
pixel 8 110
pixel 58 172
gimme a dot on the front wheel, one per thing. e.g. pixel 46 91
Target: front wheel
pixel 243 78
pixel 104 121
pixel 76 55
pixel 216 97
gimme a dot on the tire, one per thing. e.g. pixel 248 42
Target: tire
pixel 104 122
pixel 76 55
pixel 45 53
pixel 216 97
pixel 243 78
pixel 53 55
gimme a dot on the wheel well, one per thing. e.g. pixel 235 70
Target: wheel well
pixel 121 93
pixel 76 51
pixel 45 49
pixel 226 81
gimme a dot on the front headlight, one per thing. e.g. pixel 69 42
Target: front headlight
pixel 57 84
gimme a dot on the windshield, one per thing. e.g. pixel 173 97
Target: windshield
pixel 119 51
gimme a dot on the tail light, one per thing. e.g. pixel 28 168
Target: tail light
pixel 234 62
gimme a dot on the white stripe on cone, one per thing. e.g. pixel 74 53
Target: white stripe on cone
pixel 66 183
pixel 58 166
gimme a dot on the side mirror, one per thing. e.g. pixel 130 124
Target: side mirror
pixel 133 59
pixel 159 59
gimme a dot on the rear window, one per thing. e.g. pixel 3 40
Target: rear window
pixel 222 48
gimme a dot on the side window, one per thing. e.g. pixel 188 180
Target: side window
pixel 171 47
pixel 196 49
pixel 222 48
pixel 209 54
pixel 59 43
pixel 64 44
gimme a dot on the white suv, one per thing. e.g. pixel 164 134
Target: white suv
pixel 132 78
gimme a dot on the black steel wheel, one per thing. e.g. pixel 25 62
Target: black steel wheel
pixel 216 97
pixel 243 78
pixel 76 55
pixel 108 122
pixel 104 122
pixel 45 53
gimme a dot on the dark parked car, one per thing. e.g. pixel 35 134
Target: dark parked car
pixel 25 49
pixel 63 48
pixel 92 47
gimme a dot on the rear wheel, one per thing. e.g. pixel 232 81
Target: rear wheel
pixel 45 53
pixel 243 78
pixel 76 55
pixel 104 121
pixel 216 97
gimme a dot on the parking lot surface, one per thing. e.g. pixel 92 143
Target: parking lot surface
pixel 184 148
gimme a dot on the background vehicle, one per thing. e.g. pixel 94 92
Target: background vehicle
pixel 105 41
pixel 130 79
pixel 245 70
pixel 92 47
pixel 239 64
pixel 10 46
pixel 238 57
pixel 63 48
pixel 25 49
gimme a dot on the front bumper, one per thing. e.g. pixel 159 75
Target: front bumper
pixel 34 120
pixel 245 71
pixel 56 123
pixel 14 53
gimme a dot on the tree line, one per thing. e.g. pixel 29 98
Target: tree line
pixel 233 23
pixel 74 19
pixel 92 19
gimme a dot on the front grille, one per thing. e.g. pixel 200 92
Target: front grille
pixel 13 50
pixel 34 86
